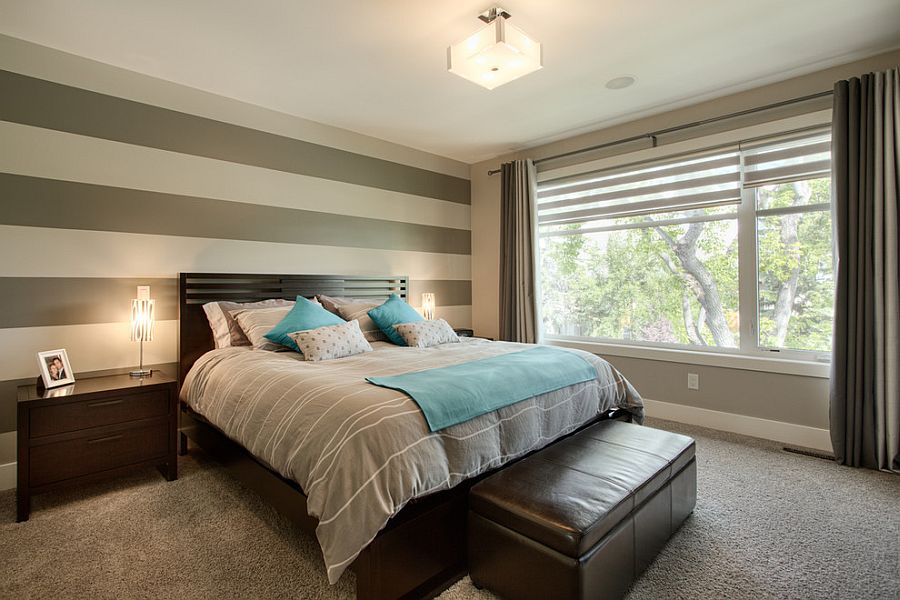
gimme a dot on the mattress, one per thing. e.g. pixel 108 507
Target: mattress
pixel 362 452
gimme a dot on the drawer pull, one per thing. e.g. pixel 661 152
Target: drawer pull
pixel 106 403
pixel 108 438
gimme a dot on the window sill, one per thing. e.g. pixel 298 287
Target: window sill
pixel 694 357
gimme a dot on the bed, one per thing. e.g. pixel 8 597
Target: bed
pixel 353 462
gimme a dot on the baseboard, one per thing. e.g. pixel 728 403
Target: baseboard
pixel 7 476
pixel 778 431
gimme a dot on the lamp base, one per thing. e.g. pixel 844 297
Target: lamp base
pixel 141 373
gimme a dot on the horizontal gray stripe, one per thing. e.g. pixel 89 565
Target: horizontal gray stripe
pixel 39 202
pixel 41 103
pixel 447 292
pixel 46 301
pixel 54 301
pixel 8 389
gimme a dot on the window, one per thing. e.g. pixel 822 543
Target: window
pixel 795 285
pixel 673 253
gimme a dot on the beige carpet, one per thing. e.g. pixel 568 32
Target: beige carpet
pixel 767 525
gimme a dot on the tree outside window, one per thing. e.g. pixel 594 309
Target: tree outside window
pixel 673 278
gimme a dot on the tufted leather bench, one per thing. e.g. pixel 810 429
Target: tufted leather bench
pixel 583 517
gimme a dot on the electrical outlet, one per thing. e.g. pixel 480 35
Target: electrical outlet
pixel 693 381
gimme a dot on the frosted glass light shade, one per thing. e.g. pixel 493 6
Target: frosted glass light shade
pixel 142 320
pixel 494 55
pixel 428 305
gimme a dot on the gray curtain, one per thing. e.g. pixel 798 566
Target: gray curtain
pixel 518 223
pixel 865 383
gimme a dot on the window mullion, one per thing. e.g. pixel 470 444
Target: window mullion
pixel 747 273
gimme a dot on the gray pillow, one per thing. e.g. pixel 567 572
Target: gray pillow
pixel 359 311
pixel 226 331
pixel 332 303
pixel 257 322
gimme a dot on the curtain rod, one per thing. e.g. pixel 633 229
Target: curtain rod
pixel 653 134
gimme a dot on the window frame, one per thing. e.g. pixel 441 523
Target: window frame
pixel 748 270
pixel 749 354
pixel 688 355
pixel 749 197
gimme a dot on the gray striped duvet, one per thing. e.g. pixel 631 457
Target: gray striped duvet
pixel 361 452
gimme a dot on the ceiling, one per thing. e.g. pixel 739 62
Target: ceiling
pixel 379 67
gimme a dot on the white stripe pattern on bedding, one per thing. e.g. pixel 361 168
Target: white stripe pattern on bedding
pixel 361 452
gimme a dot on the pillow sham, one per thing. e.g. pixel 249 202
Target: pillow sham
pixel 257 322
pixel 393 312
pixel 333 303
pixel 427 333
pixel 331 341
pixel 359 311
pixel 226 331
pixel 305 314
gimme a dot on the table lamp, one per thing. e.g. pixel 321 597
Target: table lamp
pixel 142 325
pixel 428 305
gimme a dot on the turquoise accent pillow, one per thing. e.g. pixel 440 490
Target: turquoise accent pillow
pixel 394 311
pixel 304 316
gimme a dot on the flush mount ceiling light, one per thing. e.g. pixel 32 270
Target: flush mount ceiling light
pixel 495 54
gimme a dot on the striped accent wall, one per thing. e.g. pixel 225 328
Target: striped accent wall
pixel 103 190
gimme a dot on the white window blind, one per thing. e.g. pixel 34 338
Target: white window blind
pixel 805 157
pixel 710 179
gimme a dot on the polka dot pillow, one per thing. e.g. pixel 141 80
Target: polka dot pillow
pixel 334 341
pixel 423 334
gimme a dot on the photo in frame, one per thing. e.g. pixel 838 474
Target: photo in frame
pixel 55 368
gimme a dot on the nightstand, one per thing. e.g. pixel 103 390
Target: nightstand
pixel 470 333
pixel 93 429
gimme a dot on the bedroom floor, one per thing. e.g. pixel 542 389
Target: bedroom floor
pixel 767 525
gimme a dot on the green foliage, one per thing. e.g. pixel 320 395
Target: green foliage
pixel 617 285
pixel 811 256
pixel 628 284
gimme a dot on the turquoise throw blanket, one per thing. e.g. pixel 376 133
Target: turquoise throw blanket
pixel 455 394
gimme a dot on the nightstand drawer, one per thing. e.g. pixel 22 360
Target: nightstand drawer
pixel 94 453
pixel 74 416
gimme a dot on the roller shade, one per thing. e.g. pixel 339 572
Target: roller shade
pixel 688 182
pixel 806 157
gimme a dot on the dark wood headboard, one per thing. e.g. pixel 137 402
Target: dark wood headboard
pixel 196 289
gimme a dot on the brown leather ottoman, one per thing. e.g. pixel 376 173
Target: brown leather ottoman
pixel 583 517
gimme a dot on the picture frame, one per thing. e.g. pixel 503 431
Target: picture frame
pixel 55 368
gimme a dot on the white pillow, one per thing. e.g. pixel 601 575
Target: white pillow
pixel 257 322
pixel 333 341
pixel 226 331
pixel 423 334
pixel 359 311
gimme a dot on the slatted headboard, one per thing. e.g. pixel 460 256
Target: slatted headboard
pixel 196 289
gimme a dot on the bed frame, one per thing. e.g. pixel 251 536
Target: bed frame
pixel 422 550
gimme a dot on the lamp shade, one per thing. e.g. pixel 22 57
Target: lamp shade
pixel 495 54
pixel 142 320
pixel 428 305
